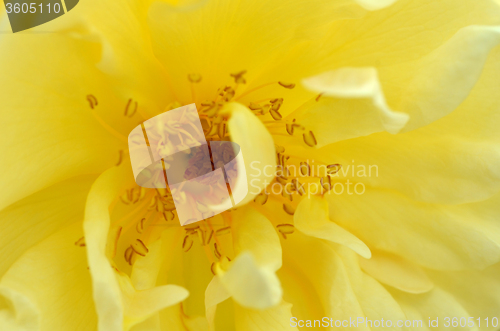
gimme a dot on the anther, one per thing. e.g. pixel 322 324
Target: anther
pixel 276 115
pixel 285 229
pixel 310 139
pixel 333 168
pixel 92 101
pixel 168 215
pixel 261 199
pixel 139 247
pixel 254 106
pixel 216 251
pixel 238 77
pixel 140 226
pixel 223 231
pixel 120 157
pixel 187 243
pixel 287 85
pixel 319 96
pixel 80 242
pixel 305 169
pixel 289 209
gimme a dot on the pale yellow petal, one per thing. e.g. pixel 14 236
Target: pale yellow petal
pixel 397 272
pixel 52 135
pixel 106 289
pixel 375 4
pixel 254 232
pixel 276 318
pixel 17 311
pixel 250 285
pixel 312 218
pixel 352 104
pixel 53 276
pixel 215 294
pixel 437 236
pixel 446 77
pixel 36 217
pixel 257 148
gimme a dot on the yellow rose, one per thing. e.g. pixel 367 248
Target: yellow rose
pixel 392 101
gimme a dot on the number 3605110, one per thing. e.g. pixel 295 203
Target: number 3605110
pixel 32 8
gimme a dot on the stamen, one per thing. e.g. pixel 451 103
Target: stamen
pixel 128 254
pixel 310 139
pixel 319 96
pixel 187 243
pixel 289 209
pixel 261 199
pixel 305 169
pixel 92 101
pixel 194 78
pixel 140 226
pixel 216 251
pixel 275 114
pixel 80 242
pixel 287 85
pixel 139 247
pixel 117 234
pixel 333 168
pixel 223 231
pixel 238 77
pixel 285 229
pixel 168 215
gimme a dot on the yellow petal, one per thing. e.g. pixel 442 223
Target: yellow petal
pixel 49 117
pixel 351 105
pixel 276 318
pixel 34 218
pixel 397 272
pixel 250 285
pixel 215 294
pixel 53 276
pixel 311 217
pixel 253 232
pixel 455 69
pixel 18 313
pixel 106 290
pixel 257 148
pixel 375 4
pixel 432 235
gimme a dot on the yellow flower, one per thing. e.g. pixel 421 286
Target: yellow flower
pixel 392 101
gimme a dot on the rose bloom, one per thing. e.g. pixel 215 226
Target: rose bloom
pixel 406 90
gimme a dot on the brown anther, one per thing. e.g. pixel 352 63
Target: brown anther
pixel 168 215
pixel 212 268
pixel 117 231
pixel 135 109
pixel 210 237
pixel 289 209
pixel 310 139
pixel 319 96
pixel 140 226
pixel 276 106
pixel 139 247
pixel 92 101
pixel 279 149
pixel 333 168
pixel 287 85
pixel 254 106
pixel 261 199
pixel 194 78
pixel 187 243
pixel 216 251
pixel 324 185
pixel 223 231
pixel 80 242
pixel 128 254
pixel 276 115
pixel 238 77
pixel 290 128
pixel 305 169
pixel 285 229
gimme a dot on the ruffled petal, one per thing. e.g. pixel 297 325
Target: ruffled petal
pixel 34 218
pixel 312 218
pixel 351 104
pixel 274 318
pixel 53 276
pixel 257 148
